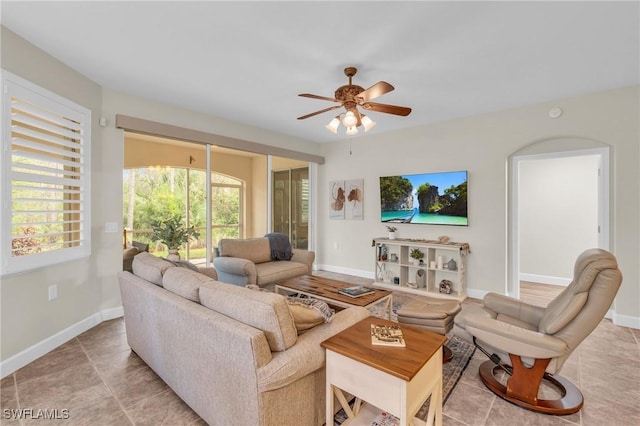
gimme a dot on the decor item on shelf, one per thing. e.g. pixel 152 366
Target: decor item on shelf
pixel 351 96
pixel 421 278
pixel 440 264
pixel 416 255
pixel 451 265
pixel 392 232
pixel 173 234
pixel 445 286
pixel 443 239
pixel 382 253
pixel 393 257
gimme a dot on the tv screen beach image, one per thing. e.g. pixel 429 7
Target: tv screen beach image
pixel 427 198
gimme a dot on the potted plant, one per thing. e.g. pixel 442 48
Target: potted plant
pixel 392 232
pixel 416 255
pixel 173 234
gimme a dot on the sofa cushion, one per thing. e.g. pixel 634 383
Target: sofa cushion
pixel 256 250
pixel 150 267
pixel 263 310
pixel 277 271
pixel 186 283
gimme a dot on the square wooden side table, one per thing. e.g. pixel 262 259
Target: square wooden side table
pixel 397 380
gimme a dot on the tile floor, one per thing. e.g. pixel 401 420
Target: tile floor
pixel 97 378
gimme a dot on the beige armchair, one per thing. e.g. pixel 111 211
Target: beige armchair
pixel 532 343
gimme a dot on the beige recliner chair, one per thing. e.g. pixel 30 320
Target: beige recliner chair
pixel 532 343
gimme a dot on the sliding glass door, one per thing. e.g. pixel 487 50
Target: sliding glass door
pixel 291 205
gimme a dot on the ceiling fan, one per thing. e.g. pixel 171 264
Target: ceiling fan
pixel 351 96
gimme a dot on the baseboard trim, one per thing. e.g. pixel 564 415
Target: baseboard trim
pixel 19 360
pixel 545 279
pixel 476 294
pixel 346 271
pixel 626 321
pixel 621 320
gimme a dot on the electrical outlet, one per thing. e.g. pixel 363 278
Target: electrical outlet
pixel 53 292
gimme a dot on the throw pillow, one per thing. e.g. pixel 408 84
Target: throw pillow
pixel 308 312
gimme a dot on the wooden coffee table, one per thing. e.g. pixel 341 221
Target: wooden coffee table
pixel 326 289
pixel 396 380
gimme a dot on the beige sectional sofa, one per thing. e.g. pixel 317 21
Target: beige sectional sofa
pixel 231 353
pixel 248 261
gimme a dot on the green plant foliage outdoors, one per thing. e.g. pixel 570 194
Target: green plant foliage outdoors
pixel 172 233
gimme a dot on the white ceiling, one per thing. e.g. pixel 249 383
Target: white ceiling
pixel 248 61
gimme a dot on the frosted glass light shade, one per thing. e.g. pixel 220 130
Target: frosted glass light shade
pixel 367 123
pixel 352 130
pixel 333 125
pixel 349 119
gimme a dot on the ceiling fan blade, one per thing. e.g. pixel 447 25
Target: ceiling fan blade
pixel 320 112
pixel 324 98
pixel 389 109
pixel 378 89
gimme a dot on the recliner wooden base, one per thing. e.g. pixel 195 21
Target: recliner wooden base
pixel 524 383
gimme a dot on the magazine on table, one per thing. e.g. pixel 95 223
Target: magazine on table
pixel 385 419
pixel 387 335
pixel 356 291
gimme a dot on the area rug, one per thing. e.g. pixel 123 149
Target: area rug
pixel 451 371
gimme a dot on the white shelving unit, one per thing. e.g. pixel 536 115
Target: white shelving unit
pixel 395 271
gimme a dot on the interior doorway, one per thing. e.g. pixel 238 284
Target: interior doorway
pixel 560 208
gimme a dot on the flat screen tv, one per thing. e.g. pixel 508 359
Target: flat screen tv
pixel 427 198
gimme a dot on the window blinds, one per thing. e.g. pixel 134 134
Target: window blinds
pixel 46 143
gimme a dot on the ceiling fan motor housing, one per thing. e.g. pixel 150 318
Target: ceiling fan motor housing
pixel 347 95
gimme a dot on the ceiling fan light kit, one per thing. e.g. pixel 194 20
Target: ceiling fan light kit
pixel 333 124
pixel 350 96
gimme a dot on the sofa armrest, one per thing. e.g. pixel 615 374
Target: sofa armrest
pixel 234 270
pixel 306 355
pixel 514 308
pixel 208 271
pixel 516 340
pixel 305 257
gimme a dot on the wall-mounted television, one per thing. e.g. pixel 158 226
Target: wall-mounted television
pixel 427 198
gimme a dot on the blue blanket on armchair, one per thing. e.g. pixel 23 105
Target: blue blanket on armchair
pixel 280 246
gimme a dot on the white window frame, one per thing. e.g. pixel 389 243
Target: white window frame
pixel 14 87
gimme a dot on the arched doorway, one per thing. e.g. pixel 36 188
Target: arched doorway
pixel 567 176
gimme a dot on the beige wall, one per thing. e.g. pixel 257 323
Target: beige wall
pixel 258 217
pixel 558 215
pixel 483 145
pixel 279 163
